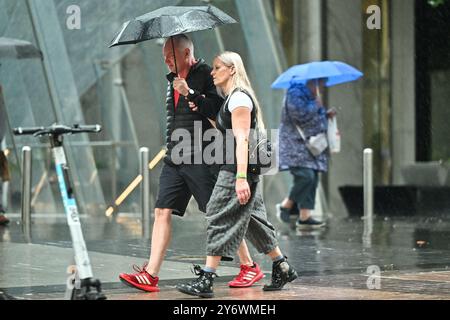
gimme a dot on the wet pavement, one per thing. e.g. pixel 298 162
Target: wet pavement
pixel 404 258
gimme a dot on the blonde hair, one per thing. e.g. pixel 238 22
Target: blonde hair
pixel 240 80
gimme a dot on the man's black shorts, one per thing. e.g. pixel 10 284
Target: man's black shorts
pixel 178 183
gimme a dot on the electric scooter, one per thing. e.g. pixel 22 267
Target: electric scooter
pixel 84 289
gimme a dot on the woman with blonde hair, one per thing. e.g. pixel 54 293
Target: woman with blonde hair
pixel 236 208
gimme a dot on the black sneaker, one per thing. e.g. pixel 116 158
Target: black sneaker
pixel 282 273
pixel 283 214
pixel 309 224
pixel 200 287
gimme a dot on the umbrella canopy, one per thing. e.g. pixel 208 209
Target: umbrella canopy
pixel 169 21
pixel 18 49
pixel 335 71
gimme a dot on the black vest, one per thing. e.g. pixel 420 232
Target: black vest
pixel 181 117
pixel 223 124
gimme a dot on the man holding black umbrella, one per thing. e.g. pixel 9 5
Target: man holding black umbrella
pixel 182 176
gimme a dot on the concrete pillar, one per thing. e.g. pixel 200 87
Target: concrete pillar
pixel 344 43
pixel 403 86
pixel 308 26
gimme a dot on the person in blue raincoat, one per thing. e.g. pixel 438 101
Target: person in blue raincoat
pixel 302 109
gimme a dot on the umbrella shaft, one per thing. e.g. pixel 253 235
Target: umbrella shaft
pixel 174 57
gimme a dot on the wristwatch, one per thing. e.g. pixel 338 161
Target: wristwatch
pixel 191 95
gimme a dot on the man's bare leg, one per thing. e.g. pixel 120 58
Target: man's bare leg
pixel 161 236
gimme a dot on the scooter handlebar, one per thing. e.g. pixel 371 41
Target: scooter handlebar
pixel 27 131
pixel 88 128
pixel 57 129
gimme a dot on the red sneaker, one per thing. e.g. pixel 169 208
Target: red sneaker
pixel 247 277
pixel 141 280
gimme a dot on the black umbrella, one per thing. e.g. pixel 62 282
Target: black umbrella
pixel 170 21
pixel 18 49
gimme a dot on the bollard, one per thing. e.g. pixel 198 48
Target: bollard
pixel 26 192
pixel 368 196
pixel 368 183
pixel 145 192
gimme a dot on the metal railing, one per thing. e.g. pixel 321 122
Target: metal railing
pixel 144 178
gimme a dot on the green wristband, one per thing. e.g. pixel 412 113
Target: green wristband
pixel 241 175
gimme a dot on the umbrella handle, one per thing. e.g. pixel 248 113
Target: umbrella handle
pixel 174 58
pixel 318 95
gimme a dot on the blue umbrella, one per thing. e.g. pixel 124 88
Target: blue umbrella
pixel 336 72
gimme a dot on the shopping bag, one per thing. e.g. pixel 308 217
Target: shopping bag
pixel 334 136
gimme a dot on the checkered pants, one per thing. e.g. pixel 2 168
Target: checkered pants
pixel 229 221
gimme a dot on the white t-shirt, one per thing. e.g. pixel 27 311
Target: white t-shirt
pixel 240 99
